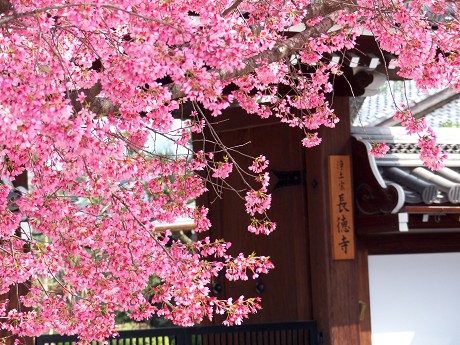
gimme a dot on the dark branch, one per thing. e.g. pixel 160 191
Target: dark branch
pixel 101 105
pixel 282 51
pixel 232 7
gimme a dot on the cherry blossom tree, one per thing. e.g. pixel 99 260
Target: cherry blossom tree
pixel 86 87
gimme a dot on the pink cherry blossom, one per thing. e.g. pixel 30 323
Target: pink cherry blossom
pixel 89 90
pixel 311 140
pixel 379 149
pixel 259 164
pixel 222 170
pixel 257 201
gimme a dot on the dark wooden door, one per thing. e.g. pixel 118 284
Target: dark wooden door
pixel 285 292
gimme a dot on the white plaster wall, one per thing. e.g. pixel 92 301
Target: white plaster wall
pixel 415 299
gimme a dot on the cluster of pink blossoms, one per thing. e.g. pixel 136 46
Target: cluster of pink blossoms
pixel 430 154
pixel 237 310
pixel 258 201
pixel 222 170
pixel 379 149
pixel 87 88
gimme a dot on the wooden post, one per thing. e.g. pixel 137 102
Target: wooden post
pixel 335 283
pixel 364 294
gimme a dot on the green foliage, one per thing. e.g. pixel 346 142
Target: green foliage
pixel 450 124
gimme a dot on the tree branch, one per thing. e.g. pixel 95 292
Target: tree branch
pixel 280 52
pixel 284 50
pixel 6 19
pixel 98 105
pixel 103 106
pixel 233 6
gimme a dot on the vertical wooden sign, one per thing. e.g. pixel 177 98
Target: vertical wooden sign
pixel 341 208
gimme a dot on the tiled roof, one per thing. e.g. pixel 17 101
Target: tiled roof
pixel 382 106
pixel 402 168
pixel 448 114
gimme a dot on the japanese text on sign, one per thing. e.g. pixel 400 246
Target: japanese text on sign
pixel 341 206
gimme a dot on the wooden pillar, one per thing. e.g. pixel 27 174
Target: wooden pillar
pixel 364 294
pixel 335 284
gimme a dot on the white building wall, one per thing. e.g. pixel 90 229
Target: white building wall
pixel 415 299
